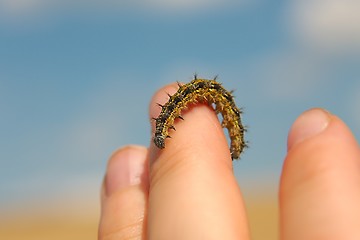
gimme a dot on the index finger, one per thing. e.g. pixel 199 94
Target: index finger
pixel 193 192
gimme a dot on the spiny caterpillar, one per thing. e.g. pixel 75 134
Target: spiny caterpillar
pixel 204 91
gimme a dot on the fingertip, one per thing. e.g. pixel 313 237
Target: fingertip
pixel 124 195
pixel 307 125
pixel 320 181
pixel 126 167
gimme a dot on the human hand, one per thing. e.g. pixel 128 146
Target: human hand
pixel 188 190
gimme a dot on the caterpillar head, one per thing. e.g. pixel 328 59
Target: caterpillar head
pixel 159 141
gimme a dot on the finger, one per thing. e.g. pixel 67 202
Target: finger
pixel 193 192
pixel 320 183
pixel 124 195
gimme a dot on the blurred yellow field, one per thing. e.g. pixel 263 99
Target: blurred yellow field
pixel 263 217
pixel 71 224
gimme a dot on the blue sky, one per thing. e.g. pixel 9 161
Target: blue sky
pixel 76 80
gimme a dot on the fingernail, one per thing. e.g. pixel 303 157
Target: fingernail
pixel 126 167
pixel 307 125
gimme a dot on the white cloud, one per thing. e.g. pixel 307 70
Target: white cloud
pixel 18 8
pixel 181 5
pixel 332 25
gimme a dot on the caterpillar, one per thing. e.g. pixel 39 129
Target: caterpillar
pixel 204 91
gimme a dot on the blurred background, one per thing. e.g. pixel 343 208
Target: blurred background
pixel 76 78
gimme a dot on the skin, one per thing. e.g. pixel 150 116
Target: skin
pixel 188 190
